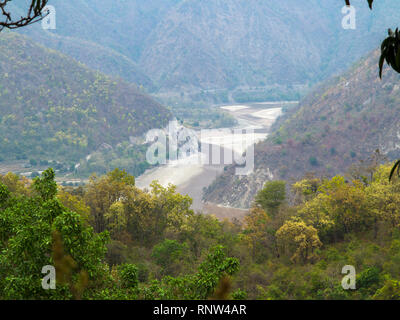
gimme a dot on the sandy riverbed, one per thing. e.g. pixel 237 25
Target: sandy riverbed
pixel 190 176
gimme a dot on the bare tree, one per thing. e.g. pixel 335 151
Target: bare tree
pixel 34 14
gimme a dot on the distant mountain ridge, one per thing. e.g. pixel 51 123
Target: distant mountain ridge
pixel 104 35
pixel 339 124
pixel 52 107
pixel 93 55
pixel 187 46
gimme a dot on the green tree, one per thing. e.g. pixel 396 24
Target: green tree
pixel 4 194
pixel 154 214
pixel 103 192
pixel 368 281
pixel 128 274
pixel 27 225
pixel 271 197
pixel 201 285
pixel 257 234
pixel 45 186
pixel 168 255
pixel 299 239
pixel 390 291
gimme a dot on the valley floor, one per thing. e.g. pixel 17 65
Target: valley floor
pixel 191 179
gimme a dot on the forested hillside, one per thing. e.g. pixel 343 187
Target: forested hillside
pixel 93 55
pixel 106 37
pixel 111 240
pixel 52 107
pixel 342 122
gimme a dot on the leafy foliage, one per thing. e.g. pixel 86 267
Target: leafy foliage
pixel 160 249
pixel 271 197
pixel 27 226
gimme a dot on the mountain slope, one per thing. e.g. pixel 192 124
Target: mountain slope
pixel 342 122
pixel 105 35
pixel 249 42
pixel 56 108
pixel 186 46
pixel 99 58
pixel 227 44
pixel 93 55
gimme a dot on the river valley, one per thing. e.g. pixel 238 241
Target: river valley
pixel 191 176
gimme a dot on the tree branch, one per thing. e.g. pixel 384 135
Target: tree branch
pixel 34 14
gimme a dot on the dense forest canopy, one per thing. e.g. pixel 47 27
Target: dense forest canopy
pixel 111 240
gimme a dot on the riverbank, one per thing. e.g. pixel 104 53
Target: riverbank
pixel 191 179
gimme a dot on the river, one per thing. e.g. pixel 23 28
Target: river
pixel 191 177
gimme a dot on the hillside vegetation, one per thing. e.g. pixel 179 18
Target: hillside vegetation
pixel 342 122
pixel 111 240
pixel 52 107
pixel 93 55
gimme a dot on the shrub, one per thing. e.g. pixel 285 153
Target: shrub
pixel 128 274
